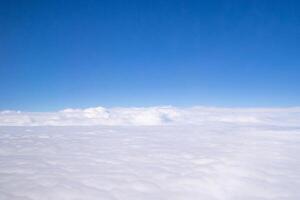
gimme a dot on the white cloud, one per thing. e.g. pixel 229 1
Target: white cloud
pixel 164 115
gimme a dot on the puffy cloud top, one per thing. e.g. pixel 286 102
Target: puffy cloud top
pixel 164 115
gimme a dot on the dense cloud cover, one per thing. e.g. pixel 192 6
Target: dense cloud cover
pixel 207 162
pixel 164 115
pixel 209 153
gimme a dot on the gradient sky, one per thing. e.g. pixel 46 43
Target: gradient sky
pixel 58 54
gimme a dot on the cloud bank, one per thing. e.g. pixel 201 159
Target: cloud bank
pixel 144 116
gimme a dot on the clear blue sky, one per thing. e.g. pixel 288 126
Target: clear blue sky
pixel 57 54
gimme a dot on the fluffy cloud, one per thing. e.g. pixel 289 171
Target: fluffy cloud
pixel 164 115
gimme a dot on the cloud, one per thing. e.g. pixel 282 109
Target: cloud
pixel 147 116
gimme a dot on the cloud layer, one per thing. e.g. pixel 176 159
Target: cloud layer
pixel 164 115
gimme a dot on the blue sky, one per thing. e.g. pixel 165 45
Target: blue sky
pixel 58 54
